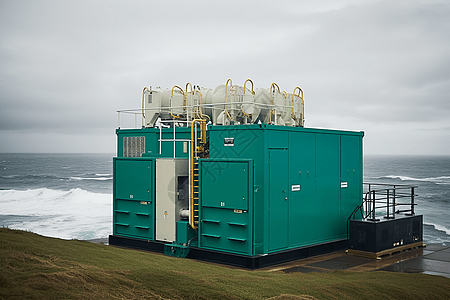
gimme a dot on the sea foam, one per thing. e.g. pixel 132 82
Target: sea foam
pixel 437 180
pixel 72 214
pixel 439 227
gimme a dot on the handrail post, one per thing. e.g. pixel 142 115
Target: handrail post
pixel 393 204
pixel 412 201
pixel 367 201
pixel 387 204
pixel 373 206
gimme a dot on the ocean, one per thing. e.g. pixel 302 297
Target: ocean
pixel 69 196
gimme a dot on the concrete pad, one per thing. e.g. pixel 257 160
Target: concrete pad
pixel 420 265
pixel 303 269
pixel 435 247
pixel 433 260
pixel 341 263
pixel 439 255
pixel 445 250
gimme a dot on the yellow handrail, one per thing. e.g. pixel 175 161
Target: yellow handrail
pixel 201 115
pixel 185 96
pixel 226 96
pixel 143 93
pixel 171 95
pixel 253 92
pixel 303 104
pixel 176 86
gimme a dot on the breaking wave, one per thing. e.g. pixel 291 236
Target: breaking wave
pixel 439 227
pixel 437 180
pixel 72 214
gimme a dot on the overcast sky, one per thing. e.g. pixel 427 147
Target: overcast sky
pixel 382 67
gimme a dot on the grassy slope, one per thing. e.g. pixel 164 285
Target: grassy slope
pixel 38 267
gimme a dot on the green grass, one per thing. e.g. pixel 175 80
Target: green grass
pixel 37 267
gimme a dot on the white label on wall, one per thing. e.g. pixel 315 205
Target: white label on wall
pixel 343 184
pixel 295 187
pixel 228 142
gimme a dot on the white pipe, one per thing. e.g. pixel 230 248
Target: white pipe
pixel 184 213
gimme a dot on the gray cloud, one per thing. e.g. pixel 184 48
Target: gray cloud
pixel 378 66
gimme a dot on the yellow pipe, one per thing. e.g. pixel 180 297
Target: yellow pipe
pixel 299 90
pixel 303 104
pixel 143 93
pixel 303 111
pixel 185 96
pixel 203 132
pixel 226 95
pixel 174 116
pixel 188 83
pixel 176 86
pixel 253 92
pixel 182 92
pixel 200 107
pixel 293 115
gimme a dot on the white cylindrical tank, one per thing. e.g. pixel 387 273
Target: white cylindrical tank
pixel 233 103
pixel 198 103
pixel 176 103
pixel 226 104
pixel 218 103
pixel 154 103
pixel 262 100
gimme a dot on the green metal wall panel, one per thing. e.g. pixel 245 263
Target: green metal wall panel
pixel 275 138
pixel 133 194
pixel 327 186
pixel 351 175
pixel 302 203
pixel 226 205
pixel 278 199
pixel 249 143
pixel 133 179
pixel 315 213
pixel 152 144
pixel 134 218
pixel 226 229
pixel 225 184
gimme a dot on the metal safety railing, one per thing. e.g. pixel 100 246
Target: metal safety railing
pixel 385 201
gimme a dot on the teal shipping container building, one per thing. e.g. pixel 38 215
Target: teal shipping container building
pixel 232 175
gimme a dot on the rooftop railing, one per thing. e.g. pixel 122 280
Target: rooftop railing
pixel 385 201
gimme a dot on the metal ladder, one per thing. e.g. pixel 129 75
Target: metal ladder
pixel 197 152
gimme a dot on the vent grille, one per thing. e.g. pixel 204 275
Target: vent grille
pixel 133 146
